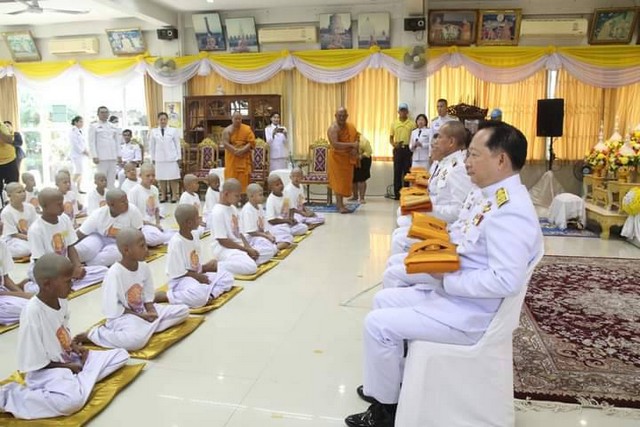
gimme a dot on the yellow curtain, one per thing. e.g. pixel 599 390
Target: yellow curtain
pixel 456 85
pixel 624 104
pixel 208 85
pixel 372 100
pixel 153 99
pixel 583 108
pixel 313 106
pixel 9 104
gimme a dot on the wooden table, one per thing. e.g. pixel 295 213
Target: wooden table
pixel 605 218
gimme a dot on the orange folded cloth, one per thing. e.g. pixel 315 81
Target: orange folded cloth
pixel 432 256
pixel 413 190
pixel 423 207
pixel 422 181
pixel 417 169
pixel 425 227
pixel 411 200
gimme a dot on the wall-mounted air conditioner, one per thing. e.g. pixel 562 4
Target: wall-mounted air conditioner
pixel 74 46
pixel 554 27
pixel 304 34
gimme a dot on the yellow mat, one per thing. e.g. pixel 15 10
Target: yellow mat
pixel 213 305
pixel 7 328
pixel 101 396
pixel 300 238
pixel 162 340
pixel 261 270
pixel 156 252
pixel 283 253
pixel 22 259
pixel 85 290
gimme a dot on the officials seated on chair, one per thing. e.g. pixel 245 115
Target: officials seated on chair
pixel 497 236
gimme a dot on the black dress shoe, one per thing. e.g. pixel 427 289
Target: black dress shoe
pixel 378 415
pixel 368 399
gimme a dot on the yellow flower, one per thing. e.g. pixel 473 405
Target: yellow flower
pixel 624 160
pixel 600 156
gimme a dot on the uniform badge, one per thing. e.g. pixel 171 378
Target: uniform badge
pixel 502 196
pixel 487 207
pixel 478 219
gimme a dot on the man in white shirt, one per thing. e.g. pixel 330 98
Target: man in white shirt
pixel 131 152
pixel 277 138
pixel 104 145
pixel 443 117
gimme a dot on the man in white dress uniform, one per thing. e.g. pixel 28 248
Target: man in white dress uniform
pixel 104 144
pixel 443 117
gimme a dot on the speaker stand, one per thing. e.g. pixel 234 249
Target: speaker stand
pixel 552 155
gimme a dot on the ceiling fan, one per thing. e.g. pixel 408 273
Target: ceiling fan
pixel 33 6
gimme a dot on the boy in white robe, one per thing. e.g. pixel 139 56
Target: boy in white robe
pixel 29 182
pixel 190 194
pixel 97 197
pixel 230 248
pixel 191 282
pixel 12 298
pixel 54 233
pixel 97 245
pixel 60 373
pixel 16 219
pixel 211 198
pixel 278 212
pixel 253 223
pixel 145 197
pixel 127 300
pixel 293 191
pixel 72 207
pixel 130 177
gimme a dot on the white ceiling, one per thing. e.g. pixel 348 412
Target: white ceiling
pixel 217 5
pixel 97 12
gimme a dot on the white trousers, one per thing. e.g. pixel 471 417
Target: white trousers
pixel 98 250
pixel 400 243
pixel 299 229
pixel 234 261
pixel 10 309
pixel 132 332
pixel 18 248
pixel 278 163
pixel 282 233
pixel 109 168
pixel 392 321
pixel 93 274
pixel 155 237
pixel 404 220
pixel 188 291
pixel 396 276
pixel 265 248
pixel 58 391
pixel 317 219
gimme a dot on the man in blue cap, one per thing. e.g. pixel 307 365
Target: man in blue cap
pixel 399 139
pixel 496 115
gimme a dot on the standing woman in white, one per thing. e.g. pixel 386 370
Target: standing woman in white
pixel 79 150
pixel 164 145
pixel 278 141
pixel 420 143
pixel 104 143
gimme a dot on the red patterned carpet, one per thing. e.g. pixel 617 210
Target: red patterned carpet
pixel 579 335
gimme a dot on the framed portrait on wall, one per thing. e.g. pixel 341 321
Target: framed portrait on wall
pixel 242 35
pixel 456 27
pixel 613 25
pixel 174 111
pixel 22 46
pixel 128 41
pixel 335 31
pixel 373 30
pixel 499 27
pixel 209 34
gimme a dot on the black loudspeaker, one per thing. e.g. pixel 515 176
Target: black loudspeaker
pixel 550 117
pixel 167 33
pixel 415 24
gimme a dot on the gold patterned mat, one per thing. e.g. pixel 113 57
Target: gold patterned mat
pixel 283 253
pixel 261 270
pixel 7 328
pixel 85 290
pixel 213 305
pixel 22 259
pixel 300 238
pixel 101 396
pixel 162 340
pixel 156 252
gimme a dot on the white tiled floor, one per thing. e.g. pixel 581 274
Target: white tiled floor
pixel 287 351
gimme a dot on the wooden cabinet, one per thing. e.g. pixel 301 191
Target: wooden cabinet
pixel 207 116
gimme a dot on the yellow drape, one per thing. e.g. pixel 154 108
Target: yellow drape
pixel 372 101
pixel 153 99
pixel 313 107
pixel 583 106
pixel 207 85
pixel 9 101
pixel 516 100
pixel 623 102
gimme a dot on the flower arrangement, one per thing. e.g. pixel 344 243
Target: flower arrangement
pixel 631 202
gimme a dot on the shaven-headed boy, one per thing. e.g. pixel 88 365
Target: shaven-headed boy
pixel 16 218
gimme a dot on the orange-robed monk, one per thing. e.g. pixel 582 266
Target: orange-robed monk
pixel 343 154
pixel 238 140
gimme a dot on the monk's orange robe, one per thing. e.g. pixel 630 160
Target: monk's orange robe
pixel 341 163
pixel 239 167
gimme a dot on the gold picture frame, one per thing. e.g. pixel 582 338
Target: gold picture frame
pixel 22 46
pixel 452 27
pixel 499 27
pixel 613 25
pixel 127 41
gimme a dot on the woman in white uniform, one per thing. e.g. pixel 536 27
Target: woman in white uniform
pixel 164 146
pixel 79 150
pixel 277 138
pixel 420 144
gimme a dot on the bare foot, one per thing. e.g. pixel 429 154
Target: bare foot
pixel 353 199
pixel 345 211
pixel 283 245
pixel 82 338
pixel 363 201
pixel 160 296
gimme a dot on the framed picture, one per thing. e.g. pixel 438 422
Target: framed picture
pixel 208 29
pixel 127 41
pixel 613 26
pixel 22 46
pixel 335 31
pixel 452 27
pixel 499 27
pixel 373 30
pixel 241 35
pixel 174 111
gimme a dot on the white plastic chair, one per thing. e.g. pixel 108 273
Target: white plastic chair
pixel 446 385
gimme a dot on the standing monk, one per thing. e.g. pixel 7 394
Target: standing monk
pixel 238 140
pixel 343 154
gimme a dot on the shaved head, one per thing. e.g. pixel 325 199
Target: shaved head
pixel 99 175
pixel 185 212
pixel 296 170
pixel 13 186
pixel 27 175
pixel 115 195
pixel 126 237
pixel 61 175
pixel 231 185
pixel 213 178
pixel 147 167
pixel 49 266
pixel 48 195
pixel 273 178
pixel 130 166
pixel 253 189
pixel 190 178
